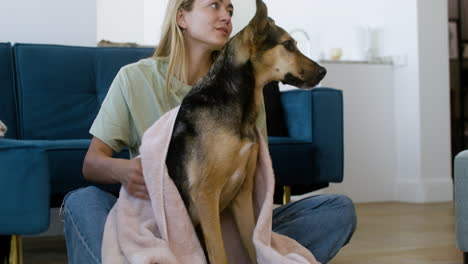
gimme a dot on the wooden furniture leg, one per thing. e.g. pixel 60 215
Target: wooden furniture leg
pixel 286 194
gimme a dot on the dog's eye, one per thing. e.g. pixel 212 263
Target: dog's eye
pixel 289 45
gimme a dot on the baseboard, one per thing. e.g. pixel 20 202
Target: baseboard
pixel 424 190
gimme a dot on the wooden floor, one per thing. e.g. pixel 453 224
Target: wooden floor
pixel 397 233
pixel 44 250
pixel 387 233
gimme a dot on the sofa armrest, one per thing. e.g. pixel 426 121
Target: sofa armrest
pixel 24 188
pixel 461 199
pixel 65 162
pixel 316 116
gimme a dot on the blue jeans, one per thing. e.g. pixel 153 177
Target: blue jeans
pixel 322 223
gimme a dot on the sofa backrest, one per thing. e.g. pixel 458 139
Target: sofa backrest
pixel 61 88
pixel 8 112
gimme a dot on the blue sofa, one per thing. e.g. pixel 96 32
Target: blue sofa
pixel 50 95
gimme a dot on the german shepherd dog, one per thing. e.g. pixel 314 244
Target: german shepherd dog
pixel 213 151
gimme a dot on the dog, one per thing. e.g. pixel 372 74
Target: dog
pixel 214 146
pixel 3 129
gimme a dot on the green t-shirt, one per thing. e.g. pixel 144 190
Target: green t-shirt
pixel 136 99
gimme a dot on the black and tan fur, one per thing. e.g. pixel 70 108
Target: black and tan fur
pixel 213 151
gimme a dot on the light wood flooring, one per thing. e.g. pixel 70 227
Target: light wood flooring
pixel 387 233
pixel 398 233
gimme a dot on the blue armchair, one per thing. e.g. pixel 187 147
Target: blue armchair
pixel 461 202
pixel 50 95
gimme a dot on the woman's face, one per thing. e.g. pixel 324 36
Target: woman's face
pixel 208 23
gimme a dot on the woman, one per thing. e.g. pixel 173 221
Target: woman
pixel 193 31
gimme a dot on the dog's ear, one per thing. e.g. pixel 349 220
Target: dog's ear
pixel 262 11
pixel 260 21
pixel 255 31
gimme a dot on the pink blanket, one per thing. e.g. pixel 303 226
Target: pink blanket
pixel 160 230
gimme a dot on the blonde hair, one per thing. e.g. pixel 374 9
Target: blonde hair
pixel 171 45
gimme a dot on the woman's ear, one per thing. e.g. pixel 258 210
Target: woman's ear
pixel 181 18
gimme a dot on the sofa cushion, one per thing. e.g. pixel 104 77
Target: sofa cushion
pixel 317 116
pixel 108 62
pixel 292 159
pixel 56 91
pixel 24 188
pixel 7 90
pixel 65 163
pixel 65 159
pixel 60 88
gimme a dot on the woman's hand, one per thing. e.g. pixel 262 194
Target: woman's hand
pixel 132 179
pixel 100 167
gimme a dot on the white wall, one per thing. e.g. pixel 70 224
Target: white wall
pixel 415 33
pixel 399 22
pixel 330 24
pixel 140 21
pixel 120 20
pixel 153 17
pixel 48 21
pixel 434 96
pixel 370 157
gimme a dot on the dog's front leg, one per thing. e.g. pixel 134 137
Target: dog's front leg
pixel 242 206
pixel 207 205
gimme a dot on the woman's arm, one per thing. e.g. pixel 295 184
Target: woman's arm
pixel 100 167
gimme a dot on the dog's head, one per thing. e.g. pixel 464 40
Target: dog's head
pixel 274 54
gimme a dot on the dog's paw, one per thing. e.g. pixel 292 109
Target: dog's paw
pixel 3 129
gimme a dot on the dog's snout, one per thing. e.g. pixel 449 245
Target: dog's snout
pixel 322 72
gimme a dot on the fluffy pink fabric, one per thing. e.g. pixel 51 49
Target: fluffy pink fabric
pixel 160 230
